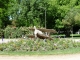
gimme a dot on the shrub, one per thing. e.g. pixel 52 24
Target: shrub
pixel 38 45
pixel 15 32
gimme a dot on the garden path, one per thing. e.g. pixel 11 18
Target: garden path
pixel 8 40
pixel 45 57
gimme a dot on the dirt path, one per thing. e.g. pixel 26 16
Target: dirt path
pixel 8 40
pixel 48 57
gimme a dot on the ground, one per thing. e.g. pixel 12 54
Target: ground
pixel 8 40
pixel 46 57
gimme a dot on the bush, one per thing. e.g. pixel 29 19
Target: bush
pixel 15 32
pixel 38 45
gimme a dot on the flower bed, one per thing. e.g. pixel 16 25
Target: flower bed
pixel 38 45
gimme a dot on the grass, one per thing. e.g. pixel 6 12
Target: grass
pixel 75 36
pixel 54 52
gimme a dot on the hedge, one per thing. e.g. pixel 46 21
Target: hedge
pixel 15 32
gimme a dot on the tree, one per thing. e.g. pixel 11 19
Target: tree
pixel 32 12
pixel 0 23
pixel 4 20
pixel 71 19
pixel 58 25
pixel 56 11
pixel 27 12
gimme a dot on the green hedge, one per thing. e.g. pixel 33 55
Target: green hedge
pixel 15 32
pixel 38 45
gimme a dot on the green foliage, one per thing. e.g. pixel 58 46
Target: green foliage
pixel 4 20
pixel 32 12
pixel 0 23
pixel 38 45
pixel 59 24
pixel 26 12
pixel 72 18
pixel 1 33
pixel 15 32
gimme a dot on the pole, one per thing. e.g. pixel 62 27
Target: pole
pixel 45 17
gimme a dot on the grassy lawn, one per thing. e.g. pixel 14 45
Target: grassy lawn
pixel 54 52
pixel 75 36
